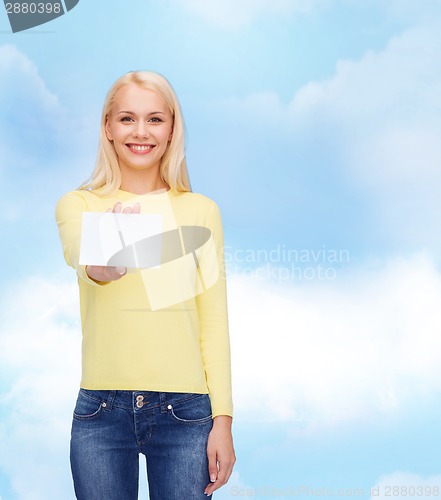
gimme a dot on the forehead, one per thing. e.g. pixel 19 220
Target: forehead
pixel 134 98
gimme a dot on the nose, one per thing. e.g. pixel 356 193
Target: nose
pixel 142 129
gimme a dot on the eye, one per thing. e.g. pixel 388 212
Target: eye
pixel 155 119
pixel 126 119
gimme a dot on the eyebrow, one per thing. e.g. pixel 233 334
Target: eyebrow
pixel 148 114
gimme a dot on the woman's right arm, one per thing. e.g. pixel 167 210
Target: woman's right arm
pixel 69 213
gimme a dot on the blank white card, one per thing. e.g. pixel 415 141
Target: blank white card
pixel 103 235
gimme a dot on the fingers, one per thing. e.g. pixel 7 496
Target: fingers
pixel 117 209
pixel 104 274
pixel 221 472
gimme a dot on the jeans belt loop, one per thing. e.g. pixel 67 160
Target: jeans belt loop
pixel 110 400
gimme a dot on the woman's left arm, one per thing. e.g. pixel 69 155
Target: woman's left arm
pixel 215 350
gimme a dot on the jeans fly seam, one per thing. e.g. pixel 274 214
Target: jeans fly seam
pixel 140 443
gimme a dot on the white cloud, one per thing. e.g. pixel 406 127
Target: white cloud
pixel 31 113
pixel 404 485
pixel 395 91
pixel 382 116
pixel 14 64
pixel 391 96
pixel 364 344
pixel 234 14
pixel 383 113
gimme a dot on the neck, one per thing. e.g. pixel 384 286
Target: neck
pixel 141 182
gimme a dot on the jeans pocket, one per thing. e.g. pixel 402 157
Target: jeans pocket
pixel 192 410
pixel 87 406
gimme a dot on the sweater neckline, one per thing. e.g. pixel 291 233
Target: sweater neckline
pixel 129 195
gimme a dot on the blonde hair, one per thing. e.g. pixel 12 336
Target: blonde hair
pixel 173 169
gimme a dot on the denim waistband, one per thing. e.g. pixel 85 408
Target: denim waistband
pixel 139 400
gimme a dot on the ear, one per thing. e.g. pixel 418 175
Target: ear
pixel 108 130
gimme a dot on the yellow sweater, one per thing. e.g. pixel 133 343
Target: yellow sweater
pixel 150 330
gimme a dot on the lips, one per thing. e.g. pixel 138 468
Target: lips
pixel 140 148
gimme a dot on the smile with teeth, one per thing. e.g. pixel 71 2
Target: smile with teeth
pixel 141 148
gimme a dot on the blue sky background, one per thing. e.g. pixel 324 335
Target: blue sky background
pixel 315 126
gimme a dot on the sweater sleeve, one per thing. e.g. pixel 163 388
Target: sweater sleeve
pixel 213 319
pixel 68 214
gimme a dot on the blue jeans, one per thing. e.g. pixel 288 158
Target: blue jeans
pixel 111 428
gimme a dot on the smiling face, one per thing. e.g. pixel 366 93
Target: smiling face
pixel 140 125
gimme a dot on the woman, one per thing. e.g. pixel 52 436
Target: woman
pixel 155 359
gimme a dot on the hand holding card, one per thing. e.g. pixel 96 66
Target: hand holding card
pixel 114 232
